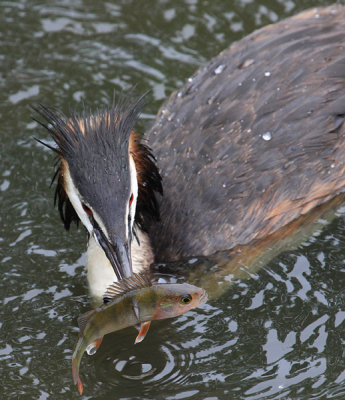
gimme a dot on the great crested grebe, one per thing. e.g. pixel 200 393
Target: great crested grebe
pixel 254 140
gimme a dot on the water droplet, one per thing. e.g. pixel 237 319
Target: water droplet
pixel 267 136
pixel 267 73
pixel 91 349
pixel 179 94
pixel 332 165
pixel 144 183
pixel 317 15
pixel 219 69
pixel 211 99
pixel 224 185
pixel 190 79
pixel 247 63
pixel 240 84
pixel 171 117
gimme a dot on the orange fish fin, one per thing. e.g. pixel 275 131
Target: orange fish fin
pixel 76 378
pixel 98 342
pixel 80 387
pixel 143 331
pixel 93 346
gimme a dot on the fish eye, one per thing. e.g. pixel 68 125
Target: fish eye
pixel 186 299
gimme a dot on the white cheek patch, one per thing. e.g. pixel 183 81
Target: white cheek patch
pixel 74 197
pixel 134 187
pixel 101 225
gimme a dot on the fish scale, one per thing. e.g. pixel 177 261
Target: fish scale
pixel 132 301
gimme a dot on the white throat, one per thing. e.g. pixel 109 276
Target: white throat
pixel 100 273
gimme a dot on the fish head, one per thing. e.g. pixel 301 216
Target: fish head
pixel 176 299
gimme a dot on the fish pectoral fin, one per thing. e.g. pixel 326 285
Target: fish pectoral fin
pixel 136 311
pixel 143 331
pixel 93 346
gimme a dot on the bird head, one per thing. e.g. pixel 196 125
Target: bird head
pixel 104 175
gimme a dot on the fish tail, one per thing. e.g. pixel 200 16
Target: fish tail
pixel 76 377
pixel 76 358
pixel 80 387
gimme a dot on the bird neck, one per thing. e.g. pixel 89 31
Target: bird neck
pixel 100 273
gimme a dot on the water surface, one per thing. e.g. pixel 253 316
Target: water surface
pixel 278 334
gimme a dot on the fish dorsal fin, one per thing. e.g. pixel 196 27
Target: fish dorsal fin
pixel 83 319
pixel 134 282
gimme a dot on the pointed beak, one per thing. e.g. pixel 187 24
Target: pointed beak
pixel 118 253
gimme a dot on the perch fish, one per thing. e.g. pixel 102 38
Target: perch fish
pixel 131 302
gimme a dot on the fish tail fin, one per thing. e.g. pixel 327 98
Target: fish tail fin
pixel 143 331
pixel 76 377
pixel 76 363
pixel 80 387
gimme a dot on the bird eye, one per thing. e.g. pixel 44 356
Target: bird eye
pixel 86 209
pixel 131 199
pixel 186 299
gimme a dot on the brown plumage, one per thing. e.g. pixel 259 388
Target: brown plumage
pixel 251 143
pixel 149 181
pixel 224 185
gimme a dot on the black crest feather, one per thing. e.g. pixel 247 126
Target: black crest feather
pixel 83 140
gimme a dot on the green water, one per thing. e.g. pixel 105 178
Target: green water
pixel 278 335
